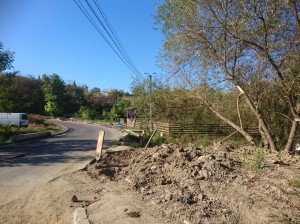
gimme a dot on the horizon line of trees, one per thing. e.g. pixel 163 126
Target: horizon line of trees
pixel 50 95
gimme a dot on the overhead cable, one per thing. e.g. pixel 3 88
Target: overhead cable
pixel 114 34
pixel 107 32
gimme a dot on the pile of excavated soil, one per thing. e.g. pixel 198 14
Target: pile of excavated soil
pixel 216 184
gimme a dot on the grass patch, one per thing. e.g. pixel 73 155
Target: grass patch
pixel 6 132
pixel 255 160
pixel 200 140
pixel 296 183
pixel 130 140
pixel 137 142
pixel 182 139
pixel 157 139
pixel 37 123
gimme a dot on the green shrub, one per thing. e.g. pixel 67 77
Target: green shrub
pixel 156 140
pixel 7 131
pixel 258 158
pixel 37 124
pixel 88 113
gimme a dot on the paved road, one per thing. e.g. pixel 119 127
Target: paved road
pixel 45 159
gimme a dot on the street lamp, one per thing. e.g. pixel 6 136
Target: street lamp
pixel 150 87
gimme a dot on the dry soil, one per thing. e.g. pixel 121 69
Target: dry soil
pixel 170 184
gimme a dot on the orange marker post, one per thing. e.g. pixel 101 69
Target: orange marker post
pixel 99 145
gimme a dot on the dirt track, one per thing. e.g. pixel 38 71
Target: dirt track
pixel 169 184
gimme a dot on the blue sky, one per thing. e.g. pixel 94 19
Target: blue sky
pixel 54 36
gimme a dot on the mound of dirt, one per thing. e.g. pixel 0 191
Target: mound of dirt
pixel 216 184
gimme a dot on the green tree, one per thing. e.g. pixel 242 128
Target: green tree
pixel 28 94
pixel 235 44
pixel 140 100
pixel 119 110
pixel 95 99
pixel 6 93
pixel 88 113
pixel 6 58
pixel 55 95
pixel 6 81
pixel 106 115
pixel 75 98
pixel 114 96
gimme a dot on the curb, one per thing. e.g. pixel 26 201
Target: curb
pixel 64 130
pixel 80 216
pixel 19 138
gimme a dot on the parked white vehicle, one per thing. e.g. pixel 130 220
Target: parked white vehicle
pixel 16 119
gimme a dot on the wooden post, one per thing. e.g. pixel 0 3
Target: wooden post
pixel 150 139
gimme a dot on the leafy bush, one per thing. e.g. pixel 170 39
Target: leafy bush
pixel 6 132
pixel 88 113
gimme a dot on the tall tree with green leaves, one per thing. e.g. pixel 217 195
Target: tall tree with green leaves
pixel 28 94
pixel 119 110
pixel 75 98
pixel 55 95
pixel 6 93
pixel 242 44
pixel 6 80
pixel 6 58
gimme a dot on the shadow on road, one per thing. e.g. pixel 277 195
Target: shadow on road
pixel 43 152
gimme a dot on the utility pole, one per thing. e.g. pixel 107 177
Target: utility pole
pixel 150 89
pixel 150 86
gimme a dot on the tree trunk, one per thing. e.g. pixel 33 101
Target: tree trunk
pixel 238 109
pixel 248 137
pixel 263 125
pixel 289 144
pixel 239 129
pixel 261 121
pixel 264 139
pixel 290 141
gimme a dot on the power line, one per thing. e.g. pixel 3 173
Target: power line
pixel 114 34
pixel 85 12
pixel 111 37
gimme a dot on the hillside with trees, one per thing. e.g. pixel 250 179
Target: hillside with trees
pixel 50 95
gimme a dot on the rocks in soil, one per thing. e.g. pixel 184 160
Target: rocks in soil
pixel 134 214
pixel 192 183
pixel 174 175
pixel 74 198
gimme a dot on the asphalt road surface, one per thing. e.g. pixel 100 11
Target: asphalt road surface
pixel 42 160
